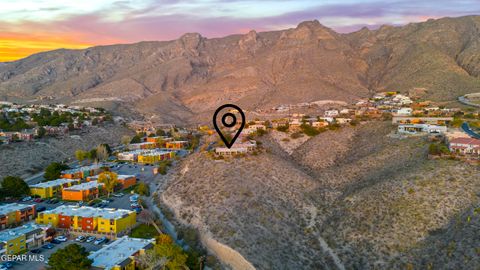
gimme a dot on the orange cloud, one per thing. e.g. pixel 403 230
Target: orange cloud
pixel 16 46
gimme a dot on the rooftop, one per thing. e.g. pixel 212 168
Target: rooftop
pixel 53 183
pixel 84 168
pixel 18 231
pixel 118 251
pixel 120 176
pixel 85 186
pixel 87 211
pixel 8 208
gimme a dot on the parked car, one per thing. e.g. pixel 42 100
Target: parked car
pixel 134 198
pixel 53 201
pixel 120 194
pixel 26 199
pixel 48 246
pixel 38 200
pixel 55 241
pixel 100 240
pixel 41 208
pixel 90 239
pixel 80 238
pixel 7 265
pixel 92 203
pixel 61 238
pixel 36 251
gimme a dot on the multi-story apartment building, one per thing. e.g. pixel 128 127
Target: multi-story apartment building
pixel 52 188
pixel 14 213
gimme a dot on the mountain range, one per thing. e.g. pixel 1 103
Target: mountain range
pixel 193 75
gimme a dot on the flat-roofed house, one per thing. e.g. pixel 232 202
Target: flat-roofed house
pixel 120 254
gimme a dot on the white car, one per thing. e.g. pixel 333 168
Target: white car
pixel 61 238
pixel 80 238
pixel 100 240
pixel 26 199
pixel 90 239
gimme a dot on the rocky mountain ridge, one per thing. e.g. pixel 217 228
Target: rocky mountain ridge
pixel 193 74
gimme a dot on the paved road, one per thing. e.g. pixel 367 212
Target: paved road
pixel 466 128
pixel 466 101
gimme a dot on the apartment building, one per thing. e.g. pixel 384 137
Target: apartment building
pixel 82 192
pixel 124 181
pixel 176 144
pixel 88 219
pixel 20 239
pixel 120 254
pixel 52 188
pixel 83 172
pixel 154 156
pixel 14 213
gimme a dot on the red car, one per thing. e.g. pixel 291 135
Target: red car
pixel 38 200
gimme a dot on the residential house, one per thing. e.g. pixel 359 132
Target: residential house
pixel 404 112
pixel 237 148
pixel 421 128
pixel 331 113
pixel 420 120
pixel 465 146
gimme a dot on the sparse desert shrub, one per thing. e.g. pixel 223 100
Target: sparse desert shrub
pixel 296 135
pixel 283 128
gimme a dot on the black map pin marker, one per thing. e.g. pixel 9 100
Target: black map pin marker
pixel 229 120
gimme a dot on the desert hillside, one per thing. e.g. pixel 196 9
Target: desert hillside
pixel 338 201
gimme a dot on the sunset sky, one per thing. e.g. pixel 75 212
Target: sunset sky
pixel 31 26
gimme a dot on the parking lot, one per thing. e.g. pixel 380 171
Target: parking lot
pixel 38 261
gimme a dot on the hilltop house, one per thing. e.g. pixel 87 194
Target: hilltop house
pixel 421 128
pixel 465 146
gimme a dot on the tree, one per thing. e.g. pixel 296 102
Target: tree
pixel 126 140
pixel 102 152
pixel 41 132
pixel 136 139
pixel 14 186
pixel 148 217
pixel 160 132
pixel 95 121
pixel 73 257
pixel 54 170
pixel 80 155
pixel 164 255
pixel 92 155
pixel 142 189
pixel 109 179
